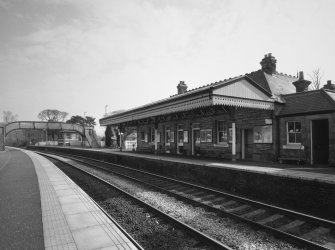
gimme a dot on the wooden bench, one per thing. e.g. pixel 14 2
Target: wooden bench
pixel 299 157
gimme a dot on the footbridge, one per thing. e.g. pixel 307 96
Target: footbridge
pixel 85 131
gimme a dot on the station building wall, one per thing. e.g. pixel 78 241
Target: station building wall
pixel 289 149
pixel 245 119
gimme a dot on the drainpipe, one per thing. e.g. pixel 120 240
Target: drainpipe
pixel 277 152
pixel 233 142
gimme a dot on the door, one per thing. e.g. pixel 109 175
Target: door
pixel 248 143
pixel 196 141
pixel 320 141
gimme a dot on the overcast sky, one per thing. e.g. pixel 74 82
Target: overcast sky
pixel 78 55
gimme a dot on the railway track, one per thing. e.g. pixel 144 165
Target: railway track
pixel 305 230
pixel 208 241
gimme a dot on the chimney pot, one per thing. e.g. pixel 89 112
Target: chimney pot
pixel 181 87
pixel 329 85
pixel 301 84
pixel 268 64
pixel 301 75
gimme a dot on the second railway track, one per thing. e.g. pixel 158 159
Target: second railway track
pixel 302 229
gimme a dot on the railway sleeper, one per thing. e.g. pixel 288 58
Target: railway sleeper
pixel 253 213
pixel 270 219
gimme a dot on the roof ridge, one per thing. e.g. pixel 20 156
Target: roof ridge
pixel 209 84
pixel 284 74
pixel 329 98
pixel 303 92
pixel 230 78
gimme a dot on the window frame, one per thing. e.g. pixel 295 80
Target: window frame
pixel 180 135
pixel 167 135
pixel 144 136
pixel 204 136
pixel 294 132
pixel 225 130
pixel 152 134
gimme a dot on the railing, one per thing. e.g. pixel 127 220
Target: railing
pixel 44 125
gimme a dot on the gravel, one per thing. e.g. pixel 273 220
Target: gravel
pixel 147 229
pixel 236 234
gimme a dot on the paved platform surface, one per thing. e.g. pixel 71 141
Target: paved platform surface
pixel 70 218
pixel 306 172
pixel 20 205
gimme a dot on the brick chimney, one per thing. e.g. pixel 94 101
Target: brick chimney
pixel 182 87
pixel 329 85
pixel 269 64
pixel 301 85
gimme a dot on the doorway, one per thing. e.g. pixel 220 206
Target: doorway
pixel 196 141
pixel 247 143
pixel 320 141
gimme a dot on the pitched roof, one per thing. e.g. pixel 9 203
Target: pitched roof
pixel 272 85
pixel 308 102
pixel 276 84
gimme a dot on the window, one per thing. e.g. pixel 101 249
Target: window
pixel 151 134
pixel 206 135
pixel 185 136
pixel 180 135
pixel 293 132
pixel 222 132
pixel 167 136
pixel 142 136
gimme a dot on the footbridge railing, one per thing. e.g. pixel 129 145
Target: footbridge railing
pixel 44 125
pixel 85 131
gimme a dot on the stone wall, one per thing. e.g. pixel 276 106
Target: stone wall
pixel 306 136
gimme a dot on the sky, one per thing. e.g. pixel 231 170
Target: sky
pixel 78 56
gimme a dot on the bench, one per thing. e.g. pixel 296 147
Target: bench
pixel 299 157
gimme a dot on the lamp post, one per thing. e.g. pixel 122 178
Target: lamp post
pixel 120 133
pixel 84 128
pixel 106 109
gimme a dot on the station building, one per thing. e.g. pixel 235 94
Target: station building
pixel 263 115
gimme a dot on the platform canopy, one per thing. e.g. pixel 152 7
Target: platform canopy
pixel 239 92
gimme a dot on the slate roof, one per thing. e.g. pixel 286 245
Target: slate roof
pixel 276 84
pixel 315 101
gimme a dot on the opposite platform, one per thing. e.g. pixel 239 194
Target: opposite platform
pixel 71 219
pixel 309 173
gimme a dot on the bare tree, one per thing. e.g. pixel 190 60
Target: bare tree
pixel 8 116
pixel 316 78
pixel 52 115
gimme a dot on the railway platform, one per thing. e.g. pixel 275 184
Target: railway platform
pixel 318 173
pixel 41 208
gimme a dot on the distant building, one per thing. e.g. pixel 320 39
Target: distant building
pixel 263 115
pixel 69 139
